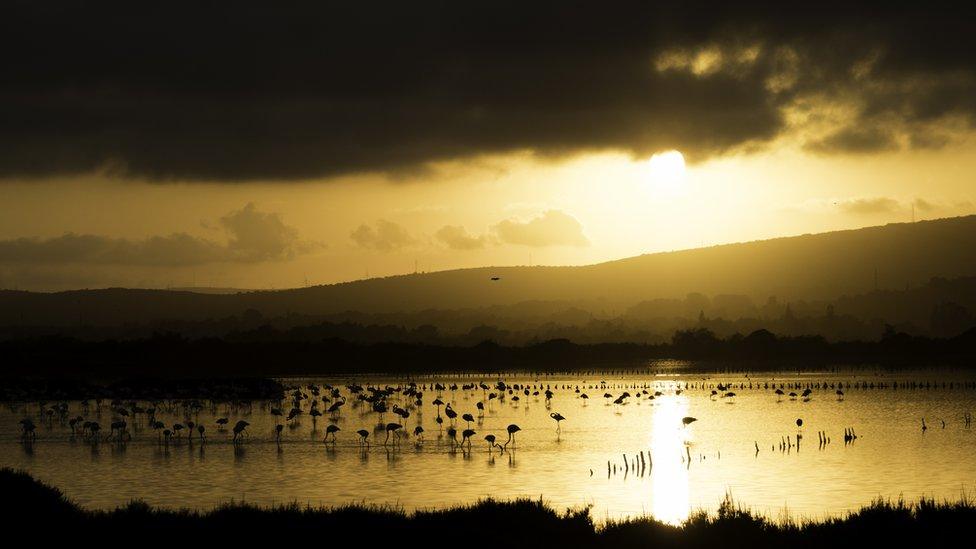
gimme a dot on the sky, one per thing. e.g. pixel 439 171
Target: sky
pixel 259 147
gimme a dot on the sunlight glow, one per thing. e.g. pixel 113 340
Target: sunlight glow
pixel 667 170
pixel 669 476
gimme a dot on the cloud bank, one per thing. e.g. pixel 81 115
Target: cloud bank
pixel 207 92
pixel 252 236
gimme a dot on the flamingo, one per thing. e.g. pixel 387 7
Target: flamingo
pixel 450 413
pixel 392 428
pixel 28 433
pixel 466 437
pixel 418 432
pixel 278 428
pixel 240 430
pixel 491 441
pixel 331 430
pixel 512 429
pixel 688 420
pixel 468 418
pixel 363 434
pixel 222 423
pixel 559 418
pixel 336 407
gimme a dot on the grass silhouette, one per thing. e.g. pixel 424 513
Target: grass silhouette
pixel 31 505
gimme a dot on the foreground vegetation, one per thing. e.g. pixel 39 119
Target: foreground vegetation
pixel 521 523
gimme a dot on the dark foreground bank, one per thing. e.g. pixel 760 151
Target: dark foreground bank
pixel 29 506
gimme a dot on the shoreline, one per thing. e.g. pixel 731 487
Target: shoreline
pixel 520 522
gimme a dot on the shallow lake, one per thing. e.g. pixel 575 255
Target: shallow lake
pixel 672 469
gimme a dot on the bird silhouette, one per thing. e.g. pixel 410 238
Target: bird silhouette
pixel 512 429
pixel 240 430
pixel 392 428
pixel 363 434
pixel 490 439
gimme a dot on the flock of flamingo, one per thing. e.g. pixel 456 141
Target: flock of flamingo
pixel 400 400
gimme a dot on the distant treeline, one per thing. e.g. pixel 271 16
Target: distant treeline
pixel 138 386
pixel 940 308
pixel 169 355
pixel 33 507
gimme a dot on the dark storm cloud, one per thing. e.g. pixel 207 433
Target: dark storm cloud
pixel 232 92
pixel 253 236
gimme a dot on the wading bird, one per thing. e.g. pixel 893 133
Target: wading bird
pixel 363 434
pixel 331 430
pixel 240 430
pixel 27 430
pixel 393 428
pixel 512 429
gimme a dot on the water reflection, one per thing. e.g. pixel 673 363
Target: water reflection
pixel 670 444
pixel 748 449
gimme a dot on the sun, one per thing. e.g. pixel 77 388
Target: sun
pixel 667 169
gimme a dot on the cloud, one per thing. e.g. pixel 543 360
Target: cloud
pixel 260 236
pixel 924 205
pixel 869 206
pixel 385 236
pixel 324 90
pixel 854 140
pixel 252 236
pixel 552 228
pixel 457 238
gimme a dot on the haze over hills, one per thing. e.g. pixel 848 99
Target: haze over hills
pixel 809 267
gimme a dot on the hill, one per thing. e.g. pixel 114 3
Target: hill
pixel 808 267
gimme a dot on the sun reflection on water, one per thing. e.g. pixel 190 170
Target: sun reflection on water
pixel 669 475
